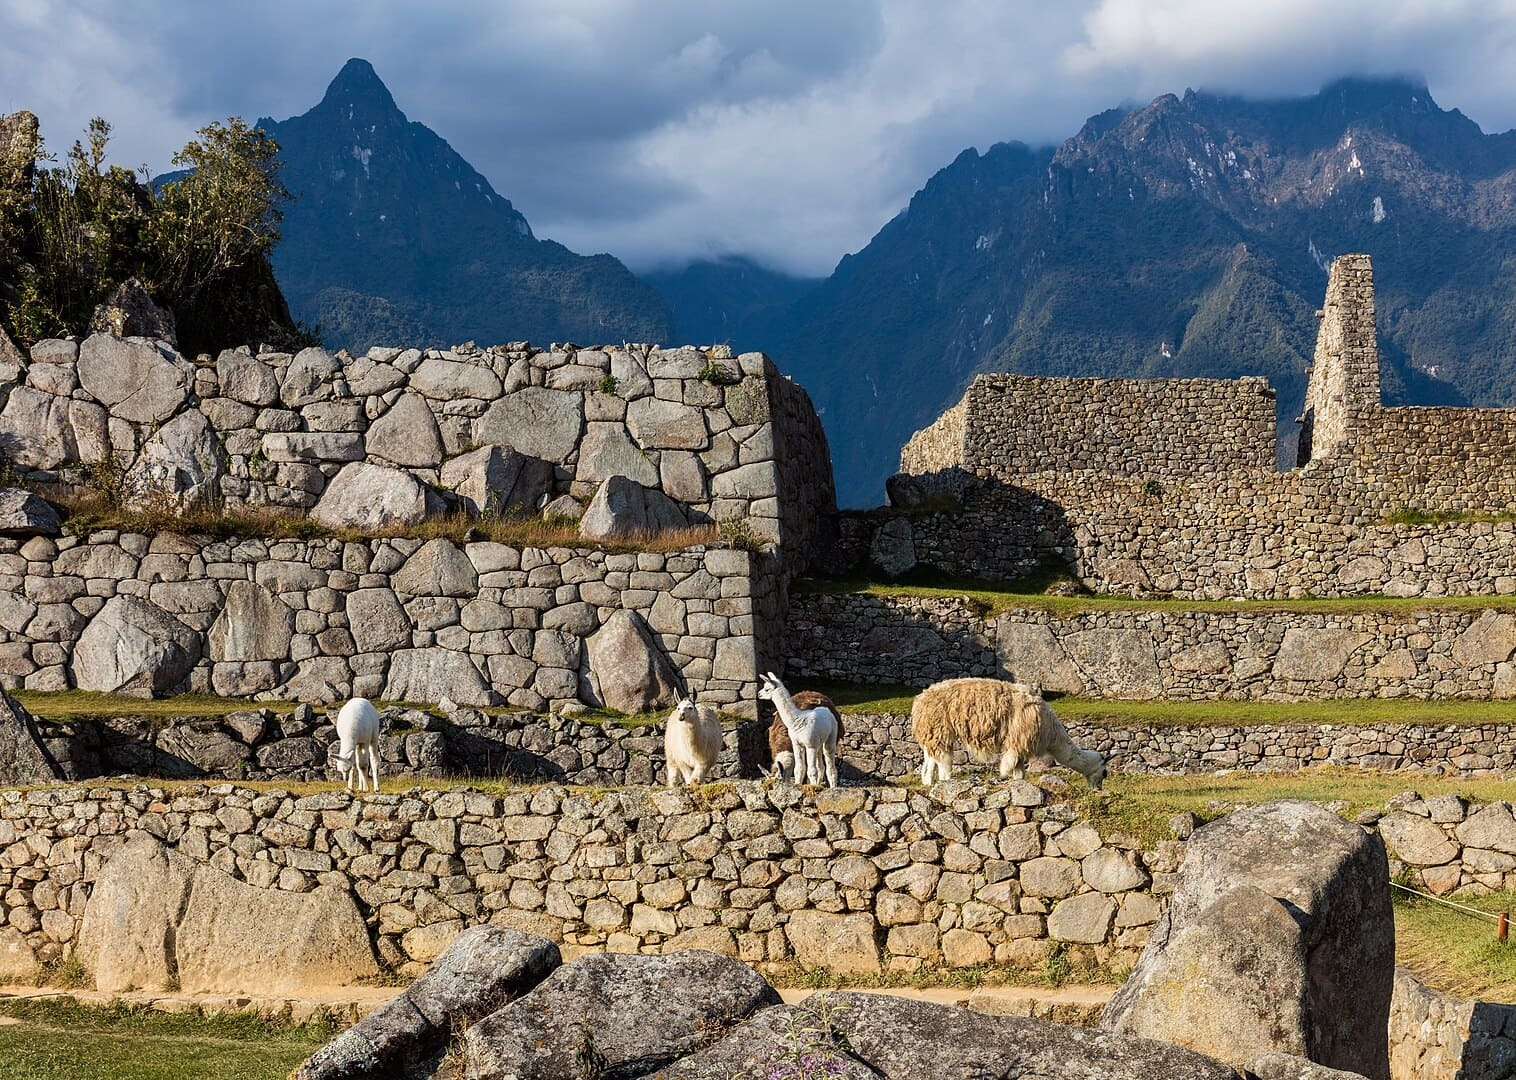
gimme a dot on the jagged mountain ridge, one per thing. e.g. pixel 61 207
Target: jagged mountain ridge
pixel 1188 237
pixel 394 237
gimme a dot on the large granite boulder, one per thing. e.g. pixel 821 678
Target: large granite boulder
pixel 497 480
pixel 179 466
pixel 407 434
pixel 24 513
pixel 1278 938
pixel 36 429
pixel 137 379
pixel 534 420
pixel 131 312
pixel 847 1034
pixel 623 509
pixel 484 968
pixel 628 670
pixel 254 624
pixel 243 377
pixel 433 674
pixel 134 647
pixel 23 757
pixel 155 915
pixel 438 568
pixel 367 496
pixel 625 1015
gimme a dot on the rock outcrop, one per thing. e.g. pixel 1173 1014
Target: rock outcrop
pixel 485 968
pixel 23 758
pixel 1278 938
pixel 156 917
pixel 870 1035
pixel 619 1014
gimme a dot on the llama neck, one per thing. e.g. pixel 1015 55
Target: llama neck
pixel 785 705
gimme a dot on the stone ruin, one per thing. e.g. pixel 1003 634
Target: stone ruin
pixel 633 440
pixel 646 438
pixel 1168 487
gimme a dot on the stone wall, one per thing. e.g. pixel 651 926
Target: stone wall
pixel 1434 1035
pixel 876 748
pixel 275 429
pixel 1164 653
pixel 1167 487
pixel 1445 844
pixel 402 619
pixel 851 880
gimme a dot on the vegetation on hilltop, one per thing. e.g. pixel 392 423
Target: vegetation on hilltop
pixel 71 232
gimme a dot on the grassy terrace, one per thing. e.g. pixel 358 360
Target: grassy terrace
pixel 70 705
pixel 51 1039
pixel 989 599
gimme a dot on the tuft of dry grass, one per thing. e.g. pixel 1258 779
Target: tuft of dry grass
pixel 92 512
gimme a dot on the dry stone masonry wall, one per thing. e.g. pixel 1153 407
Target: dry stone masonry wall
pixel 1168 487
pixel 851 880
pixel 397 430
pixel 1159 653
pixel 401 619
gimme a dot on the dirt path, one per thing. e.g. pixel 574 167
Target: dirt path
pixel 1069 1004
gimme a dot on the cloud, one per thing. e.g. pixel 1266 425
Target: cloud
pixel 791 130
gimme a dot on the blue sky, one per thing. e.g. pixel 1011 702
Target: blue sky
pixel 662 130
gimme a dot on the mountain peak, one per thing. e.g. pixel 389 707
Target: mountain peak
pixel 359 85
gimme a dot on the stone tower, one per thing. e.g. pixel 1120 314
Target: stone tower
pixel 1343 391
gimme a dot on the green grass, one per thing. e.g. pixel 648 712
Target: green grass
pixel 864 698
pixel 1142 805
pixel 63 1040
pixel 1455 952
pixel 990 600
pixel 66 705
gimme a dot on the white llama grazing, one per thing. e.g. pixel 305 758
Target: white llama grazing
pixel 780 752
pixel 358 730
pixel 813 733
pixel 994 718
pixel 691 741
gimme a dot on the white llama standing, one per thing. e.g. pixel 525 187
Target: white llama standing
pixel 813 733
pixel 691 742
pixel 357 730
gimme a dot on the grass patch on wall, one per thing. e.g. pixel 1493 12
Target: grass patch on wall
pixel 866 698
pixel 989 600
pixel 59 1039
pixel 1455 952
pixel 89 513
pixel 62 706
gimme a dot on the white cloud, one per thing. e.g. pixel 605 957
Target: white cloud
pixel 788 129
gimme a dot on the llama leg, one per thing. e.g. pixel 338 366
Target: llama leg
pixel 1010 765
pixel 373 764
pixel 945 765
pixel 829 755
pixel 926 768
pixel 799 752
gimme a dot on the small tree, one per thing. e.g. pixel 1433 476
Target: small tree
pixel 220 216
